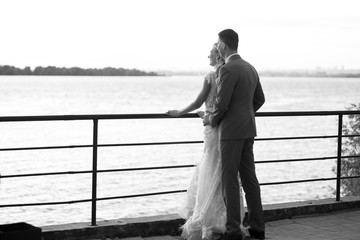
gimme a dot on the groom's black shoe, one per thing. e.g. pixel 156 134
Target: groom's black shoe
pixel 256 234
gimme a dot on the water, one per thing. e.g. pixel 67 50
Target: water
pixel 20 96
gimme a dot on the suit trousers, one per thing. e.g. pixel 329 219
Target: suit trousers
pixel 237 157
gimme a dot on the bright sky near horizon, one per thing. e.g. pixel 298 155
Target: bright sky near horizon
pixel 178 34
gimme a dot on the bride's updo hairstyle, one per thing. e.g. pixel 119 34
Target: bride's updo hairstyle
pixel 219 59
pixel 230 38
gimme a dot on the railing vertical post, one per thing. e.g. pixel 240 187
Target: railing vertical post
pixel 94 173
pixel 338 170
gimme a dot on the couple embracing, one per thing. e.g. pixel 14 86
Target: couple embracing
pixel 232 93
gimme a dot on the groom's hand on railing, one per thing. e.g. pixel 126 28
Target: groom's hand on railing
pixel 206 120
pixel 204 117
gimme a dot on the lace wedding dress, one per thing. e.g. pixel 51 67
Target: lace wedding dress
pixel 204 208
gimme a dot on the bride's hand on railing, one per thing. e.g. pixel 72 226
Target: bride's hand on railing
pixel 173 113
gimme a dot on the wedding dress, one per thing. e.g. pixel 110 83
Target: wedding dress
pixel 203 207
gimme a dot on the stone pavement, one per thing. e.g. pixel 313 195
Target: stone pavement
pixel 344 225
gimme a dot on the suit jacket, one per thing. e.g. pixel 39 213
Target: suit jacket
pixel 239 96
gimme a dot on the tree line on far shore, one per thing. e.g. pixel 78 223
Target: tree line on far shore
pixel 74 71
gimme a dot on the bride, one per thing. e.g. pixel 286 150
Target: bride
pixel 204 207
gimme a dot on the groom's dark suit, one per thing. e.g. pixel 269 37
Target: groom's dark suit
pixel 239 96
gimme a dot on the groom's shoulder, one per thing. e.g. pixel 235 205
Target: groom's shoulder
pixel 243 68
pixel 248 65
pixel 238 64
pixel 244 62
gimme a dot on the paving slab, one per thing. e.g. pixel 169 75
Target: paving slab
pixel 343 225
pixel 337 224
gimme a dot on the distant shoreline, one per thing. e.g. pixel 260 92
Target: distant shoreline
pixel 73 71
pixel 6 70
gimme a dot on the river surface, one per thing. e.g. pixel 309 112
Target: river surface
pixel 50 95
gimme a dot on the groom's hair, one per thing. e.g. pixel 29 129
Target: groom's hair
pixel 230 38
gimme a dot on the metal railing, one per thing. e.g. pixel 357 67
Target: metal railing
pixel 95 119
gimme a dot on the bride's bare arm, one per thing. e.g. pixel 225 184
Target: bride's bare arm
pixel 200 99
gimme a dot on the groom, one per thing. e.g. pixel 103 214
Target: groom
pixel 239 96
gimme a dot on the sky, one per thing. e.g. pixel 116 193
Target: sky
pixel 177 35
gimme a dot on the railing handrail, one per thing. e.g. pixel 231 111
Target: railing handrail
pixel 96 117
pixel 164 115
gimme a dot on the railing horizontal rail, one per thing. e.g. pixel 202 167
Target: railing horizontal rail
pixel 45 174
pixel 91 117
pixel 306 113
pixel 296 160
pixel 160 115
pixel 160 193
pixel 299 181
pixel 304 137
pixel 100 145
pixel 305 159
pixel 167 167
pixel 98 171
pixel 163 143
pixel 44 148
pixel 307 180
pixel 45 203
pixel 146 168
pixel 89 200
pixel 140 195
